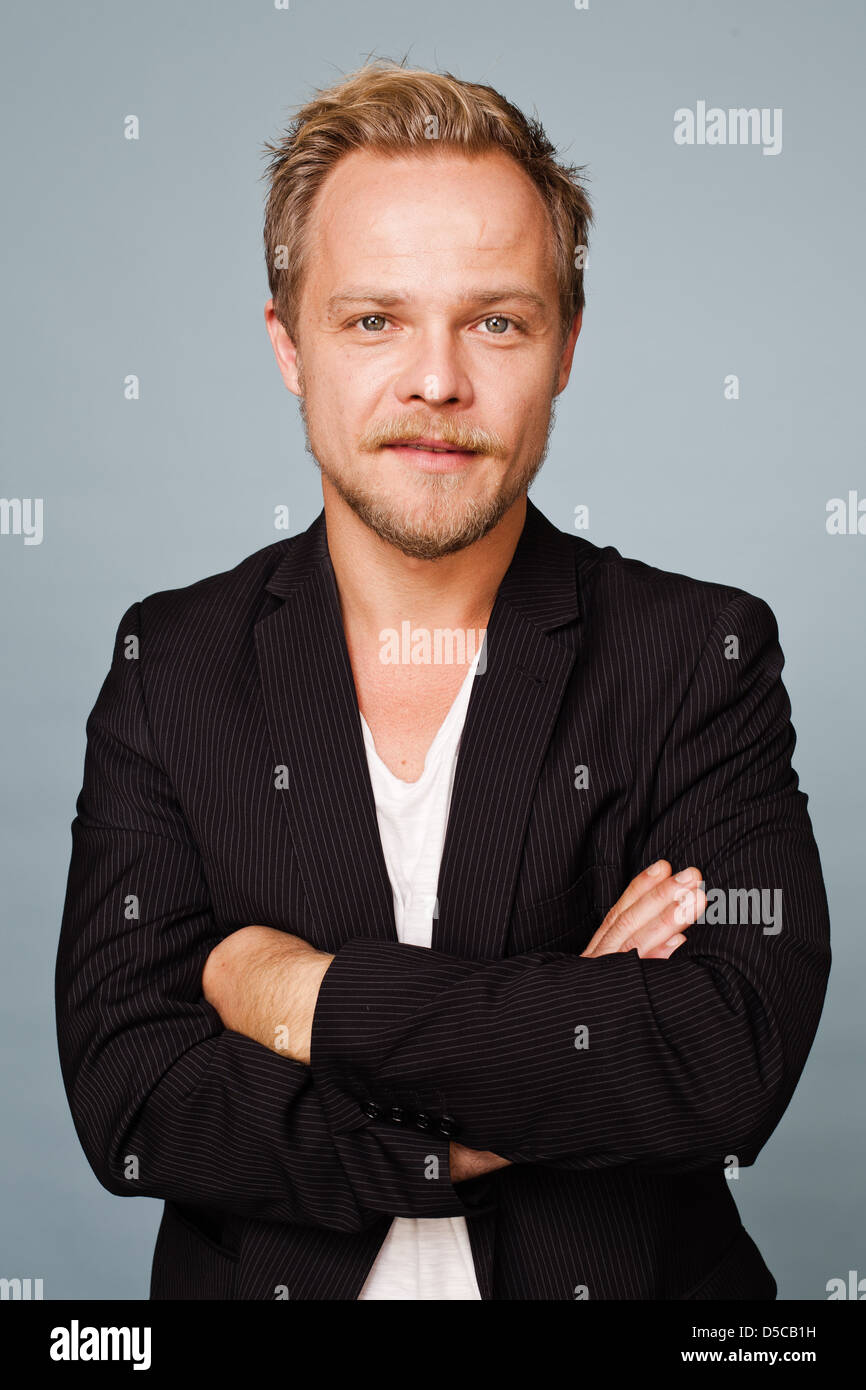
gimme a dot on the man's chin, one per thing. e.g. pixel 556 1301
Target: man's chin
pixel 430 539
pixel 431 529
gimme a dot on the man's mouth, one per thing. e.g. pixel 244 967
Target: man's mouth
pixel 432 456
pixel 428 446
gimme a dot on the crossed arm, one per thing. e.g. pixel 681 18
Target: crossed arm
pixel 265 984
pixel 694 1048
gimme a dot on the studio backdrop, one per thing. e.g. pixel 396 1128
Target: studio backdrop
pixel 712 426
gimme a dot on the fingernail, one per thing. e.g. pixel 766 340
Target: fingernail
pixel 687 875
pixel 655 869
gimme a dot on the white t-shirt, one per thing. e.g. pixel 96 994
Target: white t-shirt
pixel 422 1257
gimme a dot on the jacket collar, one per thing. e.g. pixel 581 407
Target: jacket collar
pixel 320 762
pixel 540 583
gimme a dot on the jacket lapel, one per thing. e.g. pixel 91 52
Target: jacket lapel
pixel 509 721
pixel 315 726
pixel 312 710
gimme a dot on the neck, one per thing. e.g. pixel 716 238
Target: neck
pixel 379 587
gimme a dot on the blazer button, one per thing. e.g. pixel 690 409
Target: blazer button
pixel 372 1109
pixel 422 1121
pixel 447 1125
pixel 398 1114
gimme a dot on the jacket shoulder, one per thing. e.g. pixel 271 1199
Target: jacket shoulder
pixel 219 607
pixel 637 592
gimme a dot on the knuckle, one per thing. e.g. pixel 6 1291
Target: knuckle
pixel 682 909
pixel 625 927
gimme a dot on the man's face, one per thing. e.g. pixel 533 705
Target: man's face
pixel 429 310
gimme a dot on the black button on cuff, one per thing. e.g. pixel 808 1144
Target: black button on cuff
pixel 448 1125
pixel 372 1109
pixel 423 1121
pixel 398 1114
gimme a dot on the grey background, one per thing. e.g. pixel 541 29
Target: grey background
pixel 146 257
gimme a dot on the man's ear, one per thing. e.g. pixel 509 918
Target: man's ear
pixel 285 350
pixel 568 353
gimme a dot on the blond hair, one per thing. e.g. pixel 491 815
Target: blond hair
pixel 391 109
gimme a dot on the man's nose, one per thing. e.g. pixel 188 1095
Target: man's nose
pixel 434 371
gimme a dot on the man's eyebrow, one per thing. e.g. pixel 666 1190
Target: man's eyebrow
pixel 364 294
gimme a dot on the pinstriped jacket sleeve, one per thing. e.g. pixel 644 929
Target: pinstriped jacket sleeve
pixel 166 1102
pixel 682 1061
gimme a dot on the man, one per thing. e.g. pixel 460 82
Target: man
pixel 391 974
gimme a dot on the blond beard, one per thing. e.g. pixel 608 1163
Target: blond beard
pixel 448 522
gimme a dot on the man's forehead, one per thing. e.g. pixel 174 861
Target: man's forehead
pixel 403 204
pixel 393 167
pixel 394 225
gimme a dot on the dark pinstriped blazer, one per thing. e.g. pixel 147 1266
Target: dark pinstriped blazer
pixel 226 783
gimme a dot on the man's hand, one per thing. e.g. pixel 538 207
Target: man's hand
pixel 651 914
pixel 648 918
pixel 471 1163
pixel 265 984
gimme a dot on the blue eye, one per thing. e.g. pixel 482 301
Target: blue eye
pixel 504 320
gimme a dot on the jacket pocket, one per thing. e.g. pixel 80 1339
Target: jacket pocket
pixel 187 1262
pixel 567 920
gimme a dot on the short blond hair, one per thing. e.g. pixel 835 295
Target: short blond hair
pixel 391 109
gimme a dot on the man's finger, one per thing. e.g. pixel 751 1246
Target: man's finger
pixel 659 902
pixel 684 907
pixel 666 951
pixel 649 878
pixel 641 884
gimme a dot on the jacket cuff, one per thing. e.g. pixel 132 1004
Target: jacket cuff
pixel 372 992
pixel 392 1138
pixel 404 1172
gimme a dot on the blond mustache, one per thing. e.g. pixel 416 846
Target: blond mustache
pixel 472 438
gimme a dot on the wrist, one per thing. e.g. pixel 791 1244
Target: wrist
pixel 264 984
